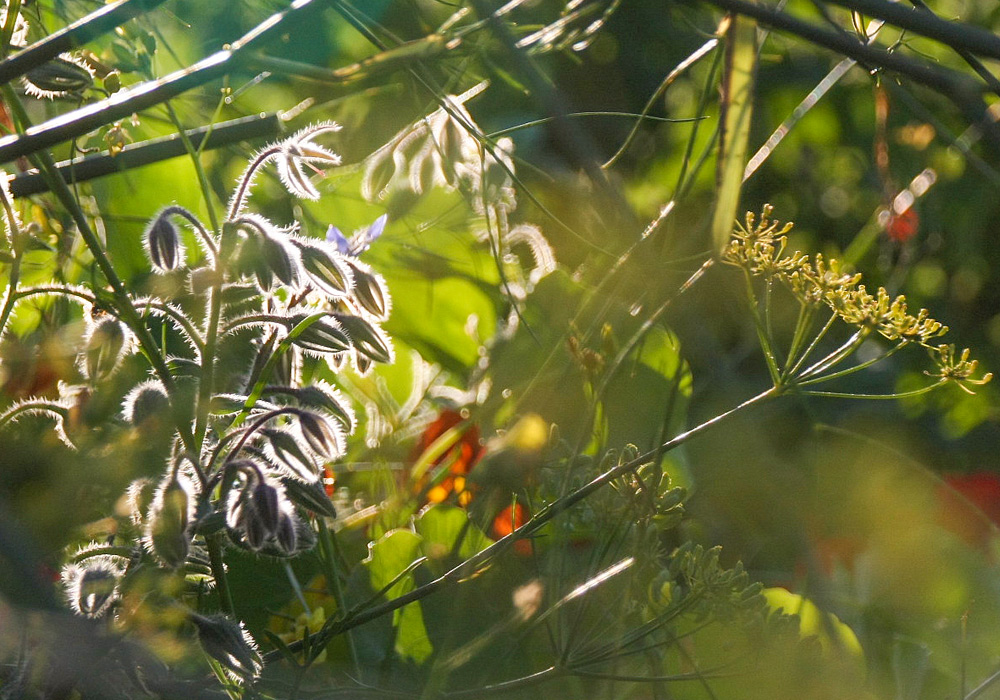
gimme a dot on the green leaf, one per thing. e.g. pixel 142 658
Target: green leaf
pixel 389 557
pixel 737 108
pixel 442 525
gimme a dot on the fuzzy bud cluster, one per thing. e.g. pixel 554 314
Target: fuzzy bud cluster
pixel 259 513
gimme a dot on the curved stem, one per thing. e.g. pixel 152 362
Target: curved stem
pixel 900 395
pixel 246 180
pixel 265 372
pixel 178 317
pixel 196 225
pixel 57 409
pixel 60 289
pixel 258 424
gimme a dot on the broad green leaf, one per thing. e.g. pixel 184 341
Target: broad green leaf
pixel 389 557
pixel 412 641
pixel 737 109
pixel 441 527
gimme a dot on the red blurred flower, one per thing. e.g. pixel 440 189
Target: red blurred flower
pixel 458 458
pixel 508 520
pixel 978 489
pixel 903 227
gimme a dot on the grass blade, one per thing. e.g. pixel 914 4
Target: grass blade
pixel 737 108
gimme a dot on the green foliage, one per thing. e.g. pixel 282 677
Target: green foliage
pixel 497 441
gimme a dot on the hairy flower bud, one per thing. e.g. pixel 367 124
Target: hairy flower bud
pixel 287 535
pixel 278 259
pixel 370 291
pixel 366 338
pixel 104 345
pixel 284 449
pixel 146 401
pixel 267 503
pixel 319 395
pixel 330 274
pixel 169 522
pixel 230 644
pixel 92 586
pixel 163 243
pixel 322 437
pixel 322 337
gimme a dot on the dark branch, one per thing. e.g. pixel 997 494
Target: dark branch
pixel 80 32
pixel 146 95
pixel 959 36
pixel 135 155
pixel 962 90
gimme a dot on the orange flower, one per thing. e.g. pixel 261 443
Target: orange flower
pixel 508 520
pixel 456 459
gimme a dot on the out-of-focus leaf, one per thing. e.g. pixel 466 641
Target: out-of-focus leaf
pixel 387 559
pixel 442 525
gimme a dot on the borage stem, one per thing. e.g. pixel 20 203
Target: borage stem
pixel 43 161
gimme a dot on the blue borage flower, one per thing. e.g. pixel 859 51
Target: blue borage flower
pixel 360 241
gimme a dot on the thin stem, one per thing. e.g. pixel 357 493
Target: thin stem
pixel 765 343
pixel 258 424
pixel 812 346
pixel 329 546
pixel 506 686
pixel 17 246
pixel 803 323
pixel 246 181
pixel 199 169
pixel 56 409
pixel 59 289
pixel 900 395
pixel 213 543
pixel 178 317
pixel 678 70
pixel 984 686
pixel 265 372
pixel 857 368
pixel 838 355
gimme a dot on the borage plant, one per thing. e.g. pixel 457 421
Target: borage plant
pixel 258 307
